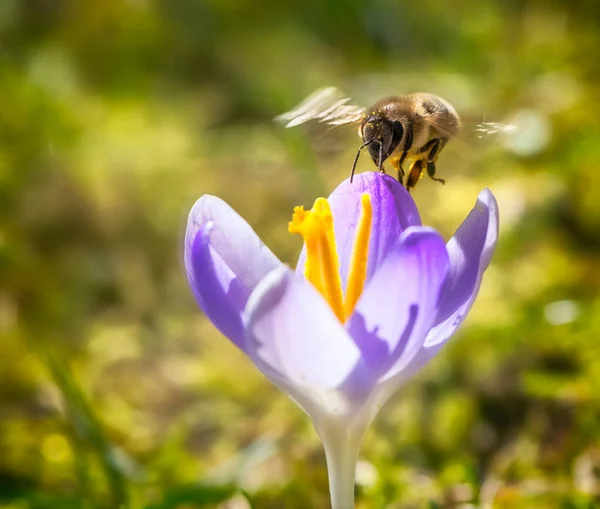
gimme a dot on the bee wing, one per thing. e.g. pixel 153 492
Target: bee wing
pixel 476 137
pixel 485 129
pixel 474 130
pixel 326 105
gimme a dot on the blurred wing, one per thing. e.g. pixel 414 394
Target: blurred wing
pixel 326 105
pixel 473 131
pixel 486 129
pixel 476 137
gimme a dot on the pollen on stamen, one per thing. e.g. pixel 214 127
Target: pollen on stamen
pixel 322 263
pixel 357 273
pixel 298 217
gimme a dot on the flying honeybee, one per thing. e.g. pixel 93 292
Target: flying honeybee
pixel 413 128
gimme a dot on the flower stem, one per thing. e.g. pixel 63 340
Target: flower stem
pixel 341 451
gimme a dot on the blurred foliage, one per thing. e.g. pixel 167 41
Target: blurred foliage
pixel 118 114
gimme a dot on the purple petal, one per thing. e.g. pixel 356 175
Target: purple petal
pixel 393 212
pixel 225 260
pixel 293 336
pixel 466 249
pixel 470 252
pixel 397 308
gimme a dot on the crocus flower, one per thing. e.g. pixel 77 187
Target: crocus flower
pixel 375 295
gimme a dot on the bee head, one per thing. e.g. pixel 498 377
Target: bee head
pixel 382 136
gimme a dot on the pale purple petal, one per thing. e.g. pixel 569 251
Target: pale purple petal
pixel 470 252
pixel 233 239
pixel 219 293
pixel 393 212
pixel 398 306
pixel 466 250
pixel 224 260
pixel 293 336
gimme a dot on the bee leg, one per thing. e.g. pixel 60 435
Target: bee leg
pixel 400 174
pixel 400 169
pixel 433 148
pixel 414 174
pixel 397 165
pixel 431 172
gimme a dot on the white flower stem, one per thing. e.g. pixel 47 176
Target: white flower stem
pixel 341 444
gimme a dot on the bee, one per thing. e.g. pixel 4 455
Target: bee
pixel 411 128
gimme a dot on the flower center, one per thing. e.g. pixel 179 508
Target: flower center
pixel 322 267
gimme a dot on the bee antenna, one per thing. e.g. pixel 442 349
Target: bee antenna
pixel 366 144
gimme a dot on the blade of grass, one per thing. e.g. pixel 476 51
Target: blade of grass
pixel 87 431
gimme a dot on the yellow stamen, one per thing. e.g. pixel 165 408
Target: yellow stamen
pixel 322 267
pixel 322 263
pixel 360 255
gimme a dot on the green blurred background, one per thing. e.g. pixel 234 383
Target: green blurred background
pixel 118 114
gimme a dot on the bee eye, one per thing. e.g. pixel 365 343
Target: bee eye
pixel 398 131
